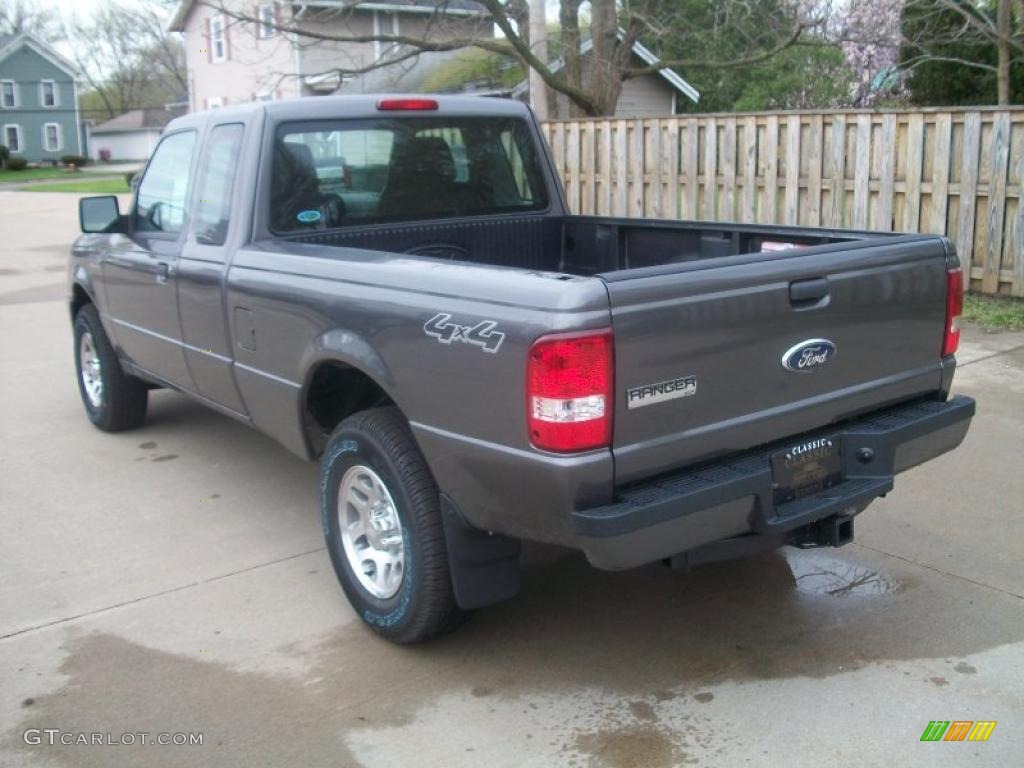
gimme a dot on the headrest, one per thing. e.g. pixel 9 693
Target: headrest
pixel 293 166
pixel 427 157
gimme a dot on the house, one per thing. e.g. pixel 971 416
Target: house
pixel 650 95
pixel 39 113
pixel 231 60
pixel 131 136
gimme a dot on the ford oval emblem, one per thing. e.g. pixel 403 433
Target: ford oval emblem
pixel 808 356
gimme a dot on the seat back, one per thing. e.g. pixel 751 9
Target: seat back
pixel 421 180
pixel 295 185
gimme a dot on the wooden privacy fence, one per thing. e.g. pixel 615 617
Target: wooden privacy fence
pixel 954 172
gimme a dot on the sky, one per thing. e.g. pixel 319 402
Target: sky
pixel 82 8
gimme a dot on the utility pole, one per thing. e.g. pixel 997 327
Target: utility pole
pixel 539 45
pixel 1003 52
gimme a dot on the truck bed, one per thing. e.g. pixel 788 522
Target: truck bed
pixel 576 245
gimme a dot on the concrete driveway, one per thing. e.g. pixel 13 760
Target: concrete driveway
pixel 173 580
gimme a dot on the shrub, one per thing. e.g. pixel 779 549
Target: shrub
pixel 75 161
pixel 129 177
pixel 16 163
pixel 4 154
pixel 105 155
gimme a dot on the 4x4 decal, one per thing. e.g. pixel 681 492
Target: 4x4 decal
pixel 483 334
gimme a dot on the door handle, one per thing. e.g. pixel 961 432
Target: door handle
pixel 804 294
pixel 163 271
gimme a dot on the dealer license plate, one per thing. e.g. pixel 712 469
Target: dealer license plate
pixel 802 469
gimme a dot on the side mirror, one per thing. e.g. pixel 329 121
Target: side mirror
pixel 98 214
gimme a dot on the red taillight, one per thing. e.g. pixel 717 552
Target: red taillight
pixel 569 391
pixel 407 105
pixel 954 308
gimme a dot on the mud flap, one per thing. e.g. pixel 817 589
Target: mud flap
pixel 484 566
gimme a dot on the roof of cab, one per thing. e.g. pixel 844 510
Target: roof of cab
pixel 362 106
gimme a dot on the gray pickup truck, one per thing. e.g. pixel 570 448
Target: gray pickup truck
pixel 394 286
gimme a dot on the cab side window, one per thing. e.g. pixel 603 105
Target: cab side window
pixel 163 191
pixel 216 181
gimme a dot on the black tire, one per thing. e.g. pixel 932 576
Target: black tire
pixel 424 605
pixel 123 398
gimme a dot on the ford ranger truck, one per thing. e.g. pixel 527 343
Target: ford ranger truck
pixel 394 286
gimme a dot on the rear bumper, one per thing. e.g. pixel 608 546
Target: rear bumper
pixel 732 497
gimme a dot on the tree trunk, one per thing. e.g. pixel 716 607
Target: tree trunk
pixel 1003 48
pixel 539 46
pixel 569 18
pixel 605 77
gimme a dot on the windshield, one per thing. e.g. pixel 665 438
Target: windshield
pixel 340 173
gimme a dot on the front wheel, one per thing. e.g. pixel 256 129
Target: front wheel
pixel 113 400
pixel 382 520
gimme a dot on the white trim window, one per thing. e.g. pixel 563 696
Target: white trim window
pixel 8 94
pixel 218 40
pixel 53 138
pixel 12 137
pixel 266 17
pixel 48 94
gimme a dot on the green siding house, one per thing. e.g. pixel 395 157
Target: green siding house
pixel 39 118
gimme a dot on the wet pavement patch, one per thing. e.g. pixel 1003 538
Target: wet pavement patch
pixel 641 710
pixel 630 747
pixel 117 686
pixel 820 574
pixel 608 666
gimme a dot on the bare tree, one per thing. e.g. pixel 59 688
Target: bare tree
pixel 592 81
pixel 127 58
pixel 18 16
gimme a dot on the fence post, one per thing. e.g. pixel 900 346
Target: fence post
pixel 710 168
pixel 791 214
pixel 837 182
pixel 996 203
pixel 940 171
pixel 968 191
pixel 770 154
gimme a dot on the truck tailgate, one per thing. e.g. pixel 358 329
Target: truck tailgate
pixel 699 346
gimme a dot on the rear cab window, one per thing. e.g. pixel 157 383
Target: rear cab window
pixel 215 183
pixel 330 174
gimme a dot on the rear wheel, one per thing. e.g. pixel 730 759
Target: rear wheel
pixel 382 520
pixel 113 400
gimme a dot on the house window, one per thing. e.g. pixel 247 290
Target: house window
pixel 12 137
pixel 53 141
pixel 266 16
pixel 48 93
pixel 218 45
pixel 8 94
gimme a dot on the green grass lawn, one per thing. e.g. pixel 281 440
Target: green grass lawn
pixel 109 186
pixel 31 174
pixel 995 312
